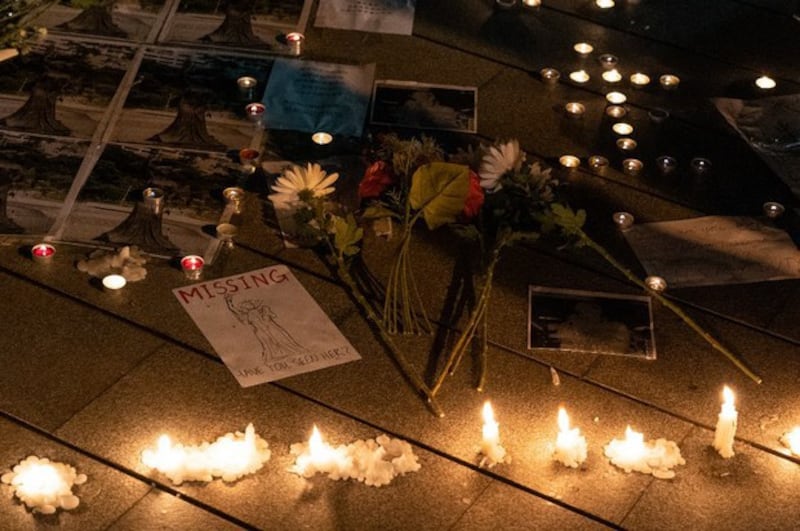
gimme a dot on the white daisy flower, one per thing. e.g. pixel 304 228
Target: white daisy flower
pixel 497 161
pixel 302 184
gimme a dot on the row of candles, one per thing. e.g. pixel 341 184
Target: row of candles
pixel 46 486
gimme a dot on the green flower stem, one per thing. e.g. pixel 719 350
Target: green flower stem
pixel 403 307
pixel 585 239
pixel 411 376
pixel 477 322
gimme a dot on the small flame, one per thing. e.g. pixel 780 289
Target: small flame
pixel 792 440
pixel 727 396
pixel 488 413
pixel 563 420
pixel 316 445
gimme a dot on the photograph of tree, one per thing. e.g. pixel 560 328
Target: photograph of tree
pixel 62 88
pixel 111 207
pixel 135 20
pixel 257 24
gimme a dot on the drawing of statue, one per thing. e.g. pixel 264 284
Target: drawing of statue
pixel 276 342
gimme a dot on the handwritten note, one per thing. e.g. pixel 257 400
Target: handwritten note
pixel 715 250
pixel 378 16
pixel 312 96
pixel 264 325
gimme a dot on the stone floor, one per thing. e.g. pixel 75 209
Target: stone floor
pixel 92 380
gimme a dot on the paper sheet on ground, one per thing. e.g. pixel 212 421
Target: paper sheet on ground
pixel 265 325
pixel 772 127
pixel 378 16
pixel 714 250
pixel 312 96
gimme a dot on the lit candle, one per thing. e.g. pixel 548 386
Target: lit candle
pixel 622 128
pixel 623 220
pixel 114 283
pixel 597 162
pixel 632 167
pixel 726 425
pixel 192 266
pixel 569 161
pixel 254 111
pixel 617 98
pixel 549 75
pixel 318 456
pixel 669 81
pixel 321 138
pixel 773 209
pixel 608 61
pixel 626 144
pixel 246 83
pixel 295 41
pixel 791 440
pixel 583 48
pixel 579 76
pixel 570 444
pixel 639 80
pixel 700 166
pixel 612 76
pixel 531 3
pixel 657 457
pixel 574 109
pixel 765 83
pixel 604 4
pixel 43 253
pixel 655 283
pixel 43 485
pixel 490 443
pixel 666 164
pixel 616 111
pixel 229 458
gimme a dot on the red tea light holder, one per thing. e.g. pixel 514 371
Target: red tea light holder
pixel 192 266
pixel 43 253
pixel 295 40
pixel 255 111
pixel 248 158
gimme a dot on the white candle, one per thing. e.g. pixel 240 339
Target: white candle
pixel 726 425
pixel 114 283
pixel 569 161
pixel 765 83
pixel 322 138
pixel 669 81
pixel 579 76
pixel 490 444
pixel 622 128
pixel 791 440
pixel 633 454
pixel 229 458
pixel 639 80
pixel 583 48
pixel 604 4
pixel 617 98
pixel 612 76
pixel 43 485
pixel 570 444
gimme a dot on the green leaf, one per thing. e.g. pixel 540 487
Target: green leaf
pixel 570 221
pixel 379 211
pixel 439 189
pixel 347 235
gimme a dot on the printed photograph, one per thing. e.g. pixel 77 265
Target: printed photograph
pixel 421 106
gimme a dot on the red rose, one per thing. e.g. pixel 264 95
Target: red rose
pixel 376 179
pixel 474 201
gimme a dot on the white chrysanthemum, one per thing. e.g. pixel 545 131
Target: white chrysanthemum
pixel 497 161
pixel 298 183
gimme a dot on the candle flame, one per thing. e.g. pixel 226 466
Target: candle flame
pixel 563 420
pixel 792 440
pixel 316 445
pixel 164 443
pixel 633 438
pixel 488 413
pixel 727 396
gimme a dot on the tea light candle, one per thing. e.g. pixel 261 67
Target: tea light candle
pixel 700 166
pixel 604 4
pixel 579 76
pixel 569 161
pixel 254 111
pixel 570 444
pixel 549 75
pixel 114 283
pixel 192 266
pixel 669 81
pixel 657 284
pixel 574 109
pixel 623 220
pixel 616 111
pixel 622 128
pixel 617 98
pixel 43 253
pixel 44 486
pixel 597 162
pixel 233 196
pixel 321 138
pixel 295 41
pixel 583 48
pixel 772 209
pixel 765 83
pixel 633 454
pixel 726 425
pixel 632 167
pixel 666 164
pixel 612 76
pixel 657 116
pixel 531 3
pixel 608 61
pixel 791 440
pixel 490 443
pixel 247 83
pixel 626 144
pixel 248 158
pixel 639 80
